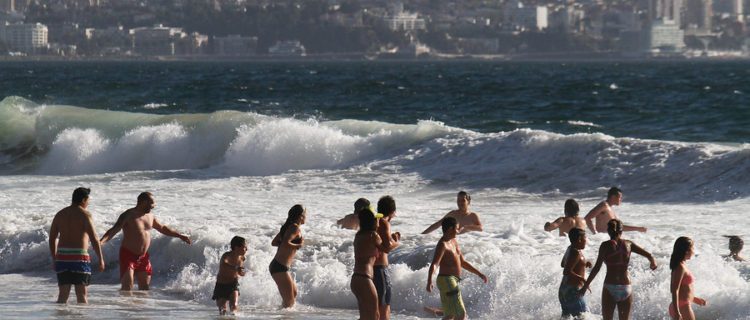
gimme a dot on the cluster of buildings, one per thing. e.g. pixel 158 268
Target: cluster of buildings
pixel 637 27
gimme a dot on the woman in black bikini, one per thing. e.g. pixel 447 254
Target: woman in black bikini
pixel 288 240
pixel 367 246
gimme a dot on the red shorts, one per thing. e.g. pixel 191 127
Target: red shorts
pixel 129 260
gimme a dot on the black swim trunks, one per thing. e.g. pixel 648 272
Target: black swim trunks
pixel 382 280
pixel 73 278
pixel 276 267
pixel 225 290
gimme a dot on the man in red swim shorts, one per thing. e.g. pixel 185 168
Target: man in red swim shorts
pixel 136 224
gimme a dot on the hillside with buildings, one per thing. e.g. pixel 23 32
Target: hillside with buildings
pixel 356 29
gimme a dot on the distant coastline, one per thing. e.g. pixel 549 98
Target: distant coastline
pixel 588 56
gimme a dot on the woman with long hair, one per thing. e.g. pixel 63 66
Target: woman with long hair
pixel 681 285
pixel 367 247
pixel 288 240
pixel 617 291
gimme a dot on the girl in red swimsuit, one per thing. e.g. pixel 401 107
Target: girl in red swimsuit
pixel 682 281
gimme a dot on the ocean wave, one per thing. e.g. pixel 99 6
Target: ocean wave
pixel 65 140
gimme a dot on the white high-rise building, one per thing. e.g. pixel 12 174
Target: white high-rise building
pixel 29 38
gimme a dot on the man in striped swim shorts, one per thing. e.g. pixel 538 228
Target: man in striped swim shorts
pixel 69 237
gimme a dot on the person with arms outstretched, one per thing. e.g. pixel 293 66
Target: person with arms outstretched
pixel 603 213
pixel 570 221
pixel 468 220
pixel 136 224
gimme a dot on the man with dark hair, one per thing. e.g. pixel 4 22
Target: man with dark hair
pixel 450 259
pixel 467 220
pixel 603 212
pixel 382 277
pixel 74 228
pixel 136 224
pixel 569 221
pixel 351 221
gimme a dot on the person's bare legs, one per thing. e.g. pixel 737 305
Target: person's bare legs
pixel 687 312
pixel 144 280
pixel 62 297
pixel 222 305
pixel 623 308
pixel 608 305
pixel 286 286
pixel 127 280
pixel 81 293
pixel 385 311
pixel 233 305
pixel 367 298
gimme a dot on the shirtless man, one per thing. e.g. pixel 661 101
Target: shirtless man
pixel 382 276
pixel 350 221
pixel 450 259
pixel 570 221
pixel 70 254
pixel 467 220
pixel 136 224
pixel 603 212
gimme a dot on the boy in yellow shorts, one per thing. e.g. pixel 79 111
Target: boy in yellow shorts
pixel 448 256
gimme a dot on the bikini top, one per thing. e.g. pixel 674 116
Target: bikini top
pixel 621 256
pixel 687 279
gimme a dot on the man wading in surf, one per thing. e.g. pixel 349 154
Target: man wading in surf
pixel 136 224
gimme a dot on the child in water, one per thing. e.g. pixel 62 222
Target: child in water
pixel 231 268
pixel 574 275
pixel 450 260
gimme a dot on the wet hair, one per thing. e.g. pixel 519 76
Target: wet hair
pixel 386 206
pixel 360 204
pixel 294 216
pixel 613 192
pixel 681 247
pixel 614 228
pixel 571 208
pixel 735 244
pixel 237 241
pixel 448 223
pixel 575 233
pixel 464 194
pixel 144 196
pixel 80 194
pixel 367 220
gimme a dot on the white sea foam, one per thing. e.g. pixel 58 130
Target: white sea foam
pixel 231 173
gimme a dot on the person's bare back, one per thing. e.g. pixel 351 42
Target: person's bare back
pixel 565 224
pixel 73 224
pixel 450 264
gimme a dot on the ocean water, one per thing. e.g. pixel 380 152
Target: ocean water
pixel 228 148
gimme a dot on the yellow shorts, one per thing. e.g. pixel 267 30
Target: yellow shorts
pixel 450 295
